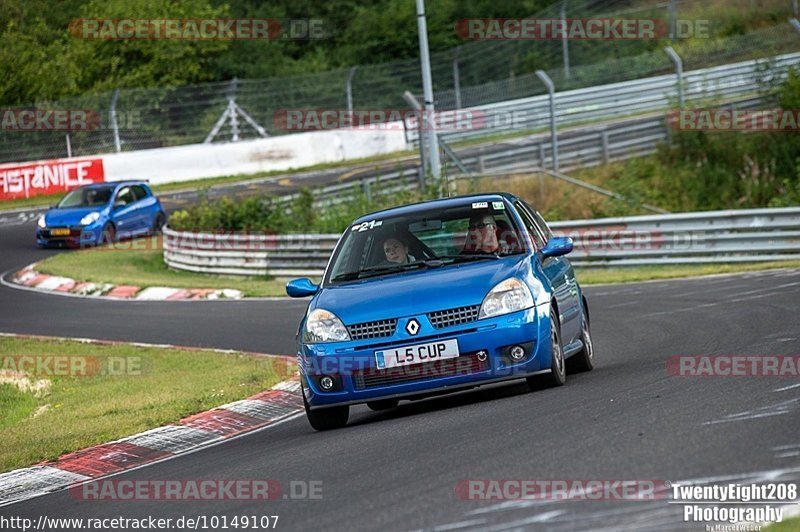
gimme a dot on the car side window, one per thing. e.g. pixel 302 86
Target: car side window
pixel 125 195
pixel 541 224
pixel 140 192
pixel 536 235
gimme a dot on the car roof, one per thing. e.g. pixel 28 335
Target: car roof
pixel 455 201
pixel 114 184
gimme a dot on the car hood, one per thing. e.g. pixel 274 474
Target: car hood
pixel 417 291
pixel 55 217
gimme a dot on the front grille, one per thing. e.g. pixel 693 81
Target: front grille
pixel 454 316
pixel 372 329
pixel 465 364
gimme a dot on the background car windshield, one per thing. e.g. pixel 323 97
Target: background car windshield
pixel 87 197
pixel 430 234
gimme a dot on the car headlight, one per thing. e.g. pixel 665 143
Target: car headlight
pixel 90 218
pixel 324 326
pixel 41 223
pixel 510 295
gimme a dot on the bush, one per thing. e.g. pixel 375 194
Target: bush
pixel 303 214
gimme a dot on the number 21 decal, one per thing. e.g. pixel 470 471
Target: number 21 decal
pixel 367 225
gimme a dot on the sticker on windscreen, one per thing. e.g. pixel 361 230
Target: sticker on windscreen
pixel 367 225
pixel 480 205
pixel 498 205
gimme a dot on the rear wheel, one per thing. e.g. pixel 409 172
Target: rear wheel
pixel 334 417
pixel 158 223
pixel 584 360
pixel 557 375
pixel 383 404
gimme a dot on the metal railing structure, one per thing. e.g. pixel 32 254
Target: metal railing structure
pixel 580 147
pixel 604 102
pixel 475 73
pixel 753 235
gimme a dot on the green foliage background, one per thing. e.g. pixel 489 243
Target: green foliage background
pixel 43 62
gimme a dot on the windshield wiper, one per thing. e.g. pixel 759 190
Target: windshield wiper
pixel 468 257
pixel 380 270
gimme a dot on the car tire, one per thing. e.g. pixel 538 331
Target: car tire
pixel 158 223
pixel 584 359
pixel 383 404
pixel 108 236
pixel 334 417
pixel 557 375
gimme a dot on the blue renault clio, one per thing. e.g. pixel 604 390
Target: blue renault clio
pixel 436 297
pixel 101 213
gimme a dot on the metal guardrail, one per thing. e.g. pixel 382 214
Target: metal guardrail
pixel 753 235
pixel 604 143
pixel 605 102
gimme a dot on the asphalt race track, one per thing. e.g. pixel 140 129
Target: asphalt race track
pixel 397 470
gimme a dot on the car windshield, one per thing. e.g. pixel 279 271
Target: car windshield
pixel 86 197
pixel 432 238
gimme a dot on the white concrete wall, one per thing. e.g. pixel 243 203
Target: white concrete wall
pixel 183 163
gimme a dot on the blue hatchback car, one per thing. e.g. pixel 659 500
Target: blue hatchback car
pixel 101 213
pixel 436 297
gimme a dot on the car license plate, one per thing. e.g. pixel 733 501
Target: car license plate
pixel 416 354
pixel 60 232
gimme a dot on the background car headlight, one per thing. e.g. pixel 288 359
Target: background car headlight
pixel 510 295
pixel 90 218
pixel 324 326
pixel 41 223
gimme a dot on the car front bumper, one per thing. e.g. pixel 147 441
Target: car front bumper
pixel 484 357
pixel 79 237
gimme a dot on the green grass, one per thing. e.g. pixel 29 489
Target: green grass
pixel 787 525
pixel 16 405
pixel 126 265
pixel 588 276
pixel 162 386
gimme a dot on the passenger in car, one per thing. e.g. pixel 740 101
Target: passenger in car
pixel 396 250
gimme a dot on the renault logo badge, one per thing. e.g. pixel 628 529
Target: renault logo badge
pixel 412 327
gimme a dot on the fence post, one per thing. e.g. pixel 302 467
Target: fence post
pixel 564 42
pixel 604 141
pixel 349 89
pixel 232 109
pixel 456 78
pixel 672 22
pixel 113 117
pixel 551 89
pixel 367 190
pixel 794 8
pixel 415 105
pixel 676 59
pixel 69 147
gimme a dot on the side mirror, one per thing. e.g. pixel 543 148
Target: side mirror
pixel 557 246
pixel 301 287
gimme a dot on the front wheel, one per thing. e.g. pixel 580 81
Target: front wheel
pixel 584 360
pixel 108 236
pixel 334 417
pixel 557 375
